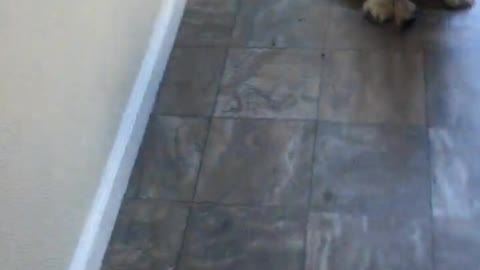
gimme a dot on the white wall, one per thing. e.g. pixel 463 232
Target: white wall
pixel 66 72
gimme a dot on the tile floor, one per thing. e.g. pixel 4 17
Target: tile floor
pixel 294 135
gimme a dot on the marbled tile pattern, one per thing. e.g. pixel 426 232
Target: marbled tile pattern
pixel 207 23
pixel 147 236
pixel 434 27
pixel 266 24
pixel 294 135
pixel 191 82
pixel 373 87
pixel 252 162
pixel 453 92
pixel 169 161
pixel 270 83
pixel 344 242
pixel 456 202
pixel 236 238
pixel 371 168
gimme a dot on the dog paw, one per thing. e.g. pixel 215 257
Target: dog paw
pixel 459 4
pixel 405 13
pixel 378 11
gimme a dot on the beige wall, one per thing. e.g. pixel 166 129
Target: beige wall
pixel 66 71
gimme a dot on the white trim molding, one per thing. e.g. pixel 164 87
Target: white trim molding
pixel 101 219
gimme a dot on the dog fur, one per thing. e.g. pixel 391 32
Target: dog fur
pixel 401 11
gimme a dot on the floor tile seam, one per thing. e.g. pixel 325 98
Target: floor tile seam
pixel 187 203
pixel 324 49
pixel 200 166
pixel 429 161
pixel 277 119
pixel 368 213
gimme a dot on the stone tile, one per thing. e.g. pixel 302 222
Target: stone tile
pixel 439 27
pixel 373 87
pixel 434 27
pixel 453 28
pixel 134 180
pixel 257 162
pixel 457 243
pixel 170 156
pixel 221 238
pixel 453 90
pixel 191 82
pixel 368 169
pixel 147 236
pixel 456 200
pixel 270 83
pixel 350 30
pixel 207 23
pixel 282 23
pixel 346 242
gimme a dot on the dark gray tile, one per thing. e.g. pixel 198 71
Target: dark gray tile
pixel 191 82
pixel 221 238
pixel 170 156
pixel 282 23
pixel 346 242
pixel 134 180
pixel 147 236
pixel 373 87
pixel 207 23
pixel 270 83
pixel 257 161
pixel 456 200
pixel 368 169
pixel 453 89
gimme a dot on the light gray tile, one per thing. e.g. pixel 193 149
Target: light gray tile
pixel 346 242
pixel 191 82
pixel 270 83
pixel 453 90
pixel 257 161
pixel 373 87
pixel 364 169
pixel 457 243
pixel 456 203
pixel 282 23
pixel 245 239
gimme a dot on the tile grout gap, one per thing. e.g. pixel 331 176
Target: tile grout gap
pixel 274 119
pixel 204 150
pixel 314 154
pixel 429 161
pixel 310 193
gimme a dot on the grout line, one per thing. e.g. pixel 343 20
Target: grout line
pixel 204 150
pixel 326 34
pixel 324 49
pixel 310 193
pixel 186 203
pixel 274 119
pixel 183 239
pixel 430 175
pixel 313 160
pixel 197 179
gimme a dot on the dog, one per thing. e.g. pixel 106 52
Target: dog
pixel 402 11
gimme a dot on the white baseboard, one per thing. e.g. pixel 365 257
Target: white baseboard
pixel 101 219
